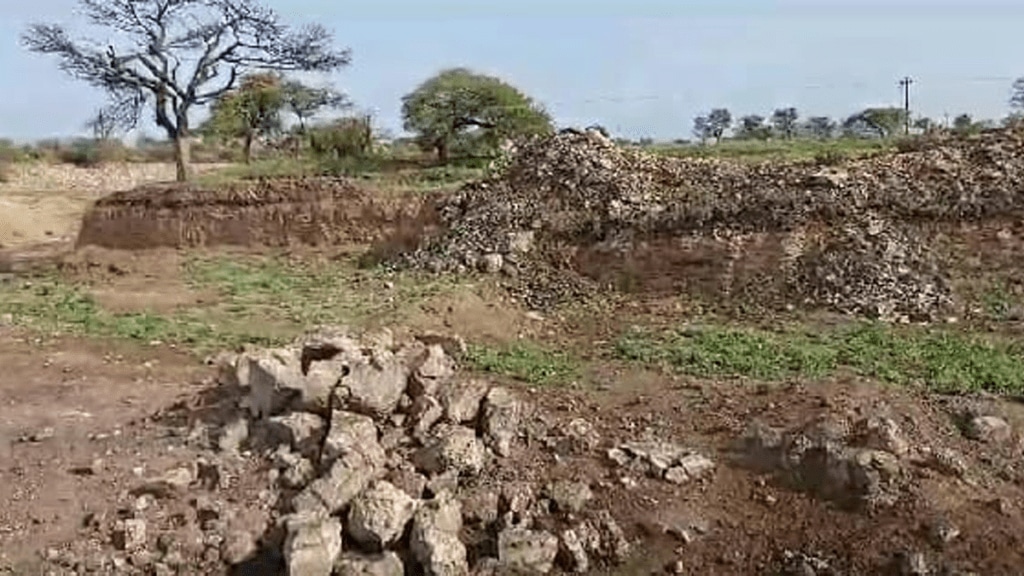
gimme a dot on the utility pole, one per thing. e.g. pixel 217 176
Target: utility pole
pixel 905 84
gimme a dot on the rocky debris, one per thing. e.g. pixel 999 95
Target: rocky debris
pixel 869 266
pixel 664 460
pixel 826 458
pixel 578 189
pixel 376 386
pixel 414 479
pixel 522 551
pixel 302 431
pixel 432 370
pixel 573 552
pixel 351 434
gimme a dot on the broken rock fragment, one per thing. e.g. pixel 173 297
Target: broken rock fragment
pixel 433 369
pixel 527 552
pixel 453 448
pixel 348 476
pixel 377 517
pixel 386 564
pixel 570 497
pixel 461 400
pixel 302 431
pixel 434 539
pixel 352 433
pixel 274 379
pixel 312 546
pixel 502 413
pixel 375 386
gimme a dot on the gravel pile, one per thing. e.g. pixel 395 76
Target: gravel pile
pixel 576 189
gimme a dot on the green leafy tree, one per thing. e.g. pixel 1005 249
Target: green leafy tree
pixel 702 128
pixel 785 121
pixel 305 102
pixel 821 127
pixel 881 122
pixel 719 120
pixel 461 107
pixel 925 125
pixel 1017 95
pixel 251 111
pixel 173 56
pixel 752 127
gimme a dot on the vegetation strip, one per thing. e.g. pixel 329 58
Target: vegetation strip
pixel 940 360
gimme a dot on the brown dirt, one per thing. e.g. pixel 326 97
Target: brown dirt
pixel 316 212
pixel 68 391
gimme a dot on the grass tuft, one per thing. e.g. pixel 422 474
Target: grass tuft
pixel 526 362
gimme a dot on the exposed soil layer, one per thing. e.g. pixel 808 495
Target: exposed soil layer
pixel 314 211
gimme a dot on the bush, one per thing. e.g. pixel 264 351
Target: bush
pixel 92 153
pixel 344 138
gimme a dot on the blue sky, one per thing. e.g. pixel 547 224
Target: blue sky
pixel 639 67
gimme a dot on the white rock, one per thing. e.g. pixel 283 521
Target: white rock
pixel 461 400
pixel 312 546
pixel 453 448
pixel 434 538
pixel 527 552
pixel 386 564
pixel 432 369
pixel 502 413
pixel 375 387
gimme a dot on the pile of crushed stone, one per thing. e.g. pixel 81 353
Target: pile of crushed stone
pixel 870 266
pixel 576 189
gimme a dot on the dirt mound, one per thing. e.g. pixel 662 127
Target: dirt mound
pixel 279 212
pixel 575 191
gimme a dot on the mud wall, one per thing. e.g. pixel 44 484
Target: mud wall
pixel 273 213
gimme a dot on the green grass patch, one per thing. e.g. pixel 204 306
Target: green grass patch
pixel 263 301
pixel 526 362
pixel 941 360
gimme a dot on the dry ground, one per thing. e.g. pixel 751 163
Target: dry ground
pixel 103 377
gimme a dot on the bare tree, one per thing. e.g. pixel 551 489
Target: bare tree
pixel 104 124
pixel 175 55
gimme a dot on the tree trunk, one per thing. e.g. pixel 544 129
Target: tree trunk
pixel 181 157
pixel 442 152
pixel 247 150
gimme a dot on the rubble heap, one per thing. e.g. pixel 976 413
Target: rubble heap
pixel 870 266
pixel 576 189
